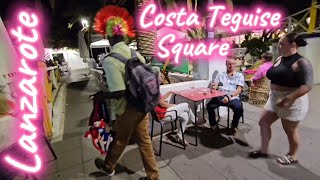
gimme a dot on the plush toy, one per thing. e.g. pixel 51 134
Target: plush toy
pixel 104 133
pixel 100 136
pixel 94 134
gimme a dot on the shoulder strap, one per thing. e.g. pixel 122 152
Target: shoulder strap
pixel 133 53
pixel 121 57
pixel 118 56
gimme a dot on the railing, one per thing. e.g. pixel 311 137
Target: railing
pixel 310 14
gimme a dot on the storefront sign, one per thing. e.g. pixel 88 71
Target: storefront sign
pixel 27 34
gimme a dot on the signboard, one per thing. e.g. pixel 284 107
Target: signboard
pixel 229 21
pixel 27 151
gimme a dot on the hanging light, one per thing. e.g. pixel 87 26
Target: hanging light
pixel 308 20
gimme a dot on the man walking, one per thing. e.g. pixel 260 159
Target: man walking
pixel 129 121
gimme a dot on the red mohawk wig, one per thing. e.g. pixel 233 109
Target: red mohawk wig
pixel 114 20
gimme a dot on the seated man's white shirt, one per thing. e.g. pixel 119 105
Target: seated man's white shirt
pixel 229 84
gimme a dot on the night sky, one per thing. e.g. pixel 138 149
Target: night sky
pixel 57 21
pixel 291 5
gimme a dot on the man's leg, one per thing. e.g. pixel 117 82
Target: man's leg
pixel 141 134
pixel 123 128
pixel 237 108
pixel 211 106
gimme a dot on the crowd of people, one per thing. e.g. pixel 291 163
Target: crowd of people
pixel 291 79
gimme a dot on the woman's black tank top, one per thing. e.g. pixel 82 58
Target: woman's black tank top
pixel 282 73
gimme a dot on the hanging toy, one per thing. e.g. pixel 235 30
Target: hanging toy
pixel 104 133
pixel 100 136
pixel 93 133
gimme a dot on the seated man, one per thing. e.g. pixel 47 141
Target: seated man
pixel 232 82
pixel 263 68
pixel 166 113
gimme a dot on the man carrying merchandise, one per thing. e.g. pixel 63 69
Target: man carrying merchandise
pixel 117 24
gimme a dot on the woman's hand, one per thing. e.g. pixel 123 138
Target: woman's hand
pixel 285 102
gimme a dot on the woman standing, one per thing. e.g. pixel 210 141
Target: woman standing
pixel 291 79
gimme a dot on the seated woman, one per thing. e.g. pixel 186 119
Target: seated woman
pixel 263 68
pixel 183 111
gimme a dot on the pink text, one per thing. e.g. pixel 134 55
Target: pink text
pixel 189 49
pixel 255 20
pixel 27 34
pixel 179 19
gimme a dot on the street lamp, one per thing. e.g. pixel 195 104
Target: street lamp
pixel 84 23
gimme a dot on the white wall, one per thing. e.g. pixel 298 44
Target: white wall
pixel 312 52
pixel 205 68
pixel 8 56
pixel 8 60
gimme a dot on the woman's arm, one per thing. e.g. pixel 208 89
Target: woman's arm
pixel 167 95
pixel 259 74
pixel 164 104
pixel 305 77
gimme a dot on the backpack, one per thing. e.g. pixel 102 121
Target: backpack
pixel 142 85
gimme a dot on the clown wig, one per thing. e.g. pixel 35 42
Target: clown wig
pixel 113 20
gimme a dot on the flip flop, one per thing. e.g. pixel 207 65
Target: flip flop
pixel 286 160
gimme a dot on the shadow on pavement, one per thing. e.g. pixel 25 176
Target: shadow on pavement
pixel 292 172
pixel 81 85
pixel 102 175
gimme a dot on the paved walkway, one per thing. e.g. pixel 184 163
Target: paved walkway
pixel 218 157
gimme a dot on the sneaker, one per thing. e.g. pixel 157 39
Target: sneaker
pixel 102 166
pixel 179 140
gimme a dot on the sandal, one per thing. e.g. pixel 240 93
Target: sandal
pixel 200 121
pixel 286 160
pixel 179 140
pixel 258 154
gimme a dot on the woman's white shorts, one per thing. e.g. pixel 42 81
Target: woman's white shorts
pixel 296 112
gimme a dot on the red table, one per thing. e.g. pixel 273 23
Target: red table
pixel 196 95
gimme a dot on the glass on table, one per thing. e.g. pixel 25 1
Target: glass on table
pixel 243 68
pixel 192 86
pixel 212 87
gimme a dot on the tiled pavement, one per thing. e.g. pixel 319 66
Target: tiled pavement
pixel 217 157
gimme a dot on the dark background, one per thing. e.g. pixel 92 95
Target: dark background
pixel 55 28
